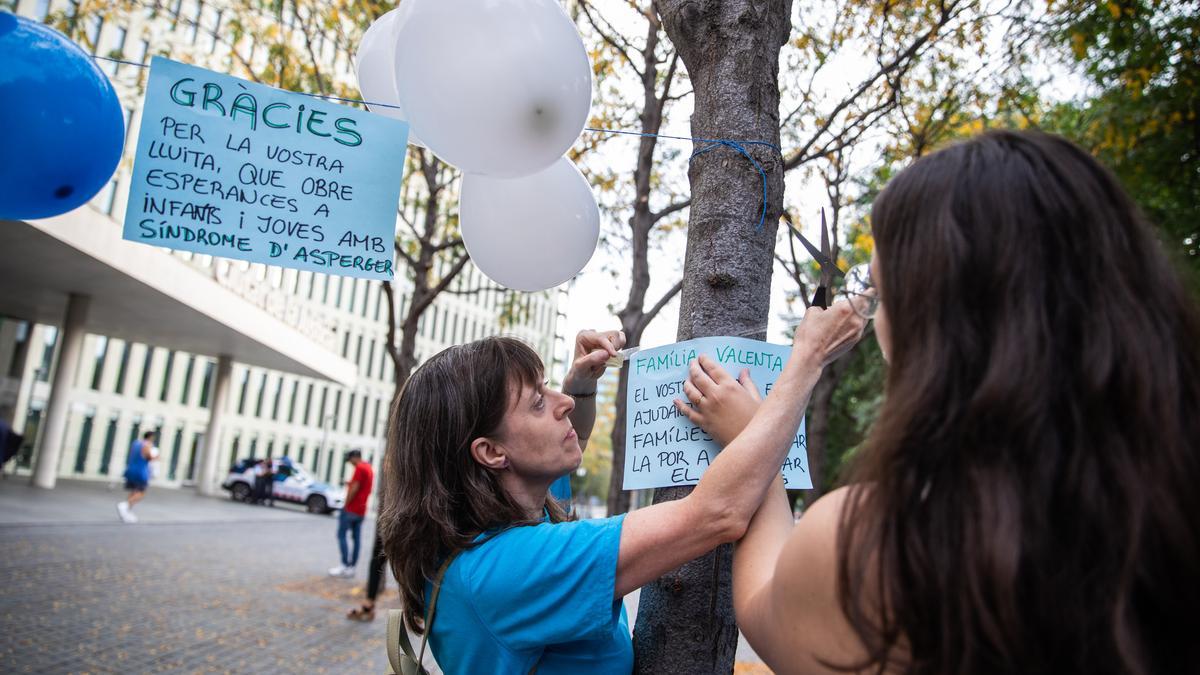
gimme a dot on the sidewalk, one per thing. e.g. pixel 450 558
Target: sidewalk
pixel 198 585
pixel 83 502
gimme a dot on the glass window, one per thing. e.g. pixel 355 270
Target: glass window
pixel 242 396
pixel 308 405
pixel 85 438
pixel 166 382
pixel 370 358
pixel 20 349
pixel 145 381
pixel 117 51
pixel 358 351
pixel 345 344
pixel 197 439
pixel 375 419
pixel 337 407
pixel 362 418
pixel 350 414
pixel 187 379
pixel 209 367
pixel 292 402
pixel 195 23
pixel 101 354
pixel 278 396
pixel 262 389
pixel 212 45
pixel 49 338
pixel 110 438
pixel 384 359
pixel 353 294
pixel 176 445
pixel 94 27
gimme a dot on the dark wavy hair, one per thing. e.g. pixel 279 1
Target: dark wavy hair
pixel 435 498
pixel 1029 499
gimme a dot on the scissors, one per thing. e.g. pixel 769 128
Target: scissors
pixel 828 267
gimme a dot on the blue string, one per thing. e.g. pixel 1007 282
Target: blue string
pixel 712 143
pixel 737 145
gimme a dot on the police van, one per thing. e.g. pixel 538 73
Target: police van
pixel 292 483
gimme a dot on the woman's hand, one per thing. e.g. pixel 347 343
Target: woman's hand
pixel 721 405
pixel 592 350
pixel 826 334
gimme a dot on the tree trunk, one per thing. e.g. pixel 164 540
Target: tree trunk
pixel 731 49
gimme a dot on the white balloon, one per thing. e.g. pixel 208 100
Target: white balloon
pixel 530 233
pixel 375 65
pixel 495 87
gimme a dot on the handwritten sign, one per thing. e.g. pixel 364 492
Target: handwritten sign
pixel 241 170
pixel 663 448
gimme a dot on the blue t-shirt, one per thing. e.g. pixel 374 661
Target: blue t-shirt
pixel 137 468
pixel 540 594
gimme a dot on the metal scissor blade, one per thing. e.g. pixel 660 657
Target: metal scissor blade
pixel 812 250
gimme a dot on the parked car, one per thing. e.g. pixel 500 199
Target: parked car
pixel 292 484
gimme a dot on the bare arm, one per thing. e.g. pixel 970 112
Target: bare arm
pixel 785 587
pixel 592 351
pixel 659 538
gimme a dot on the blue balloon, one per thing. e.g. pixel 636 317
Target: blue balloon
pixel 61 120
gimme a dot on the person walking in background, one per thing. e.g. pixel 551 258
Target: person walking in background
pixel 350 520
pixel 268 482
pixel 560 490
pixel 137 474
pixel 256 493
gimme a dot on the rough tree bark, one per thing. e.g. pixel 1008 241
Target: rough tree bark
pixel 731 49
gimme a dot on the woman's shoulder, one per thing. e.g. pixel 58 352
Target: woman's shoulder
pixel 512 560
pixel 536 536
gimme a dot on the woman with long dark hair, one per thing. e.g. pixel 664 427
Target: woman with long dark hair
pixel 475 441
pixel 1027 500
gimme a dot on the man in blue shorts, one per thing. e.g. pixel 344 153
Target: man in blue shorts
pixel 137 474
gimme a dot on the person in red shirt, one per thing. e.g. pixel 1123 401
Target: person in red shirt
pixel 350 520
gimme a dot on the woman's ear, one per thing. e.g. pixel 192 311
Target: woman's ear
pixel 489 453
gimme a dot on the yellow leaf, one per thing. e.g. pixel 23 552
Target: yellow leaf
pixel 1114 9
pixel 1079 45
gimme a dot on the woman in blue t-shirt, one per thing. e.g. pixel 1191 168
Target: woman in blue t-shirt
pixel 475 441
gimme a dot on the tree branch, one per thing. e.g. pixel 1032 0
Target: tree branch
pixel 669 209
pixel 622 48
pixel 662 302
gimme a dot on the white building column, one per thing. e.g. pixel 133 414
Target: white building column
pixel 206 479
pixel 45 468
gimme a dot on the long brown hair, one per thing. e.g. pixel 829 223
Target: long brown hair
pixel 1029 498
pixel 435 498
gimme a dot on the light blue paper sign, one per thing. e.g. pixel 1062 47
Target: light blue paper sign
pixel 663 448
pixel 241 170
